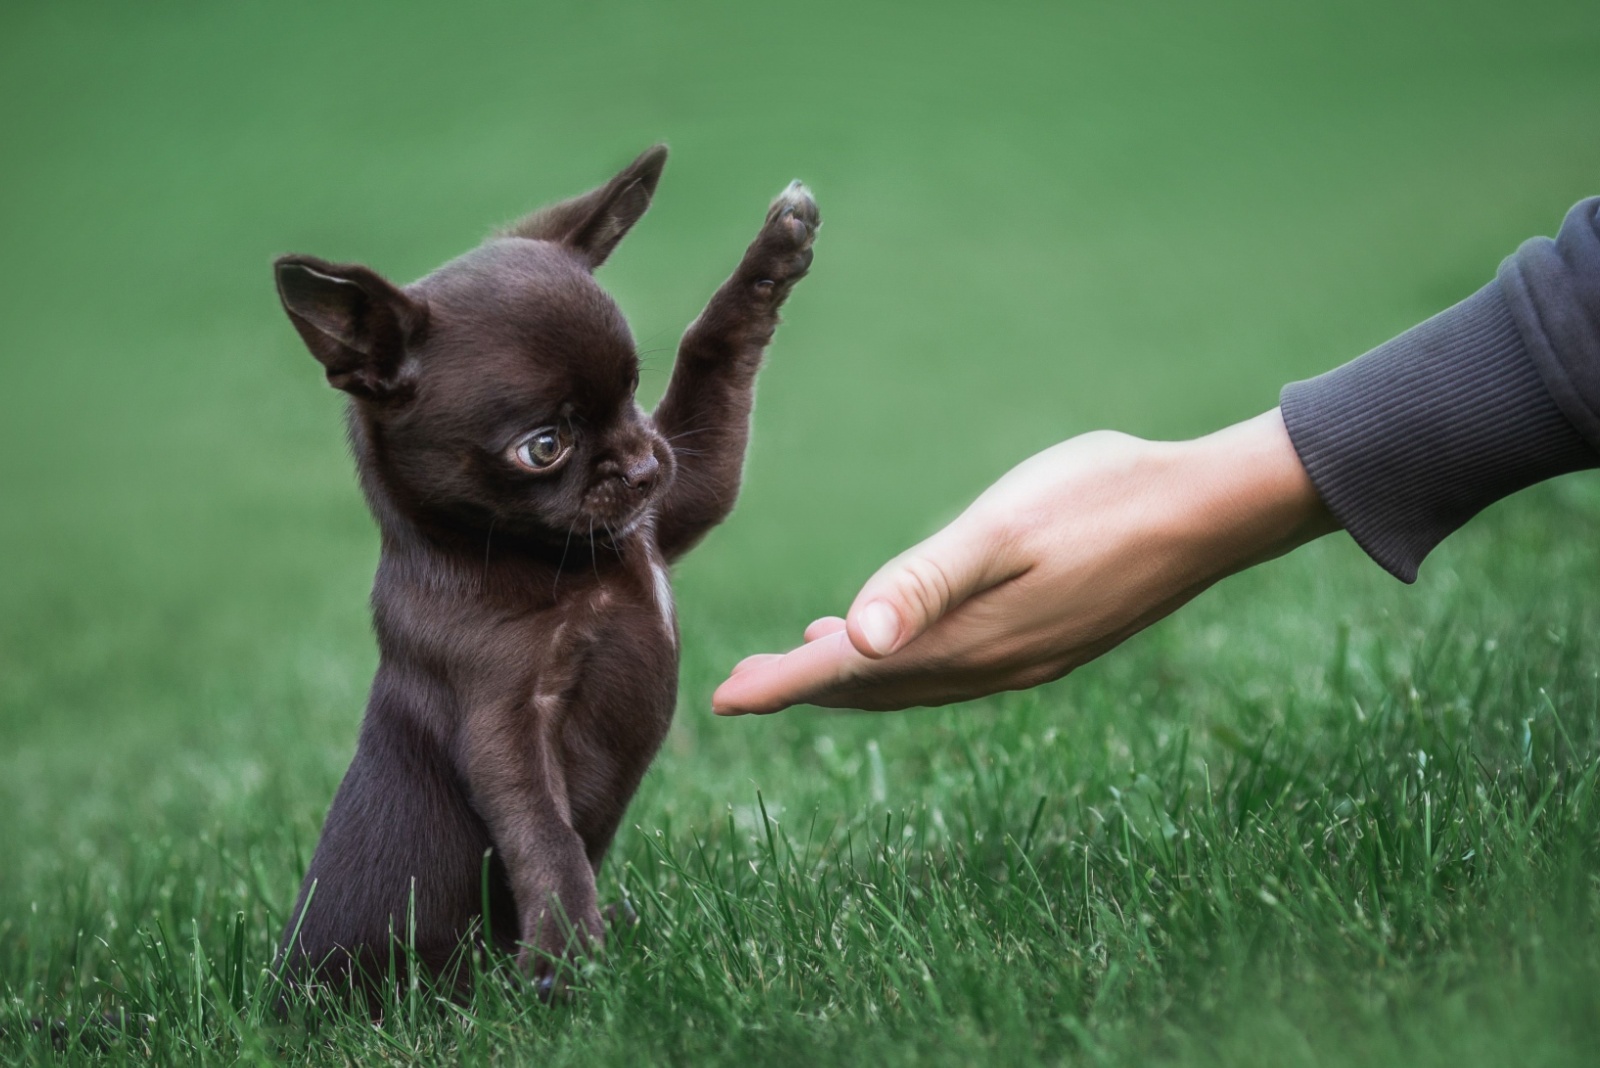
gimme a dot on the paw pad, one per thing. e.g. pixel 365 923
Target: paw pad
pixel 795 212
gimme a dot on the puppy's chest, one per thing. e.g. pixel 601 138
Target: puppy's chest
pixel 609 654
pixel 605 652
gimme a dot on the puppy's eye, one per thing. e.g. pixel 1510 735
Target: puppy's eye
pixel 541 450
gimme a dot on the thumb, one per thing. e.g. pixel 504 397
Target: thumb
pixel 915 589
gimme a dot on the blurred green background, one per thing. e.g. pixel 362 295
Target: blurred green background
pixel 1041 218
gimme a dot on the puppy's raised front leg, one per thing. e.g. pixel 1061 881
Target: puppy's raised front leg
pixel 519 788
pixel 705 413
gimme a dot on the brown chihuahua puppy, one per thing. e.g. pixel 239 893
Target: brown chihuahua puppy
pixel 528 509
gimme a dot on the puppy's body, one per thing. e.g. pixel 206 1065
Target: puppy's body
pixel 528 647
pixel 490 684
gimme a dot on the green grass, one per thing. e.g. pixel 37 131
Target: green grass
pixel 1318 818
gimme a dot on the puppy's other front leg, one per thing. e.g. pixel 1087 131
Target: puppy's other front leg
pixel 519 788
pixel 705 413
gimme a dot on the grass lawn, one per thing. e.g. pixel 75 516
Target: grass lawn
pixel 1319 818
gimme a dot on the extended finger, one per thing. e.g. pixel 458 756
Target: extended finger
pixel 774 683
pixel 823 627
pixel 754 660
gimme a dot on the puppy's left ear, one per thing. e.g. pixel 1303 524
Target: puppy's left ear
pixel 593 224
pixel 355 322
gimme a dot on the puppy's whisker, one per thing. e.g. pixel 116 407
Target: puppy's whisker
pixel 556 585
pixel 488 540
pixel 691 433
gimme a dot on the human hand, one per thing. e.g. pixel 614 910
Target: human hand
pixel 1066 556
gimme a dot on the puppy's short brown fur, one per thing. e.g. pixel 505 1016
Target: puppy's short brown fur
pixel 529 510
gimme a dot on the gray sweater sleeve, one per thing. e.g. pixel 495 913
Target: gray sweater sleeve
pixel 1501 391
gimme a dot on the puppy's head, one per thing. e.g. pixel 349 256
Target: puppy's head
pixel 498 391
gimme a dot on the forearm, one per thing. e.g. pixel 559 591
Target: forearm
pixel 1500 391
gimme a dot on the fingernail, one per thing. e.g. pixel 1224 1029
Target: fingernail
pixel 880 626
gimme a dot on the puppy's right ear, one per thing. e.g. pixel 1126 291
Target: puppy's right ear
pixel 593 224
pixel 353 321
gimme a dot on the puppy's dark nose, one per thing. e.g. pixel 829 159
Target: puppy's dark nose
pixel 641 474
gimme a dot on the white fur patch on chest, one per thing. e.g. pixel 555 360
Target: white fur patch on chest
pixel 663 592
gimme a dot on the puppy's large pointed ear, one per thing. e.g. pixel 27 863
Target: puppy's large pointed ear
pixel 354 321
pixel 594 223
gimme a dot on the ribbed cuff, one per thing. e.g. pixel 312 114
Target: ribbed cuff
pixel 1413 439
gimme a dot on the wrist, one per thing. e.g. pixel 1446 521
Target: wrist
pixel 1251 499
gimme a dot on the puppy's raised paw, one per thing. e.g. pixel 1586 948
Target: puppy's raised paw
pixel 781 254
pixel 795 212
